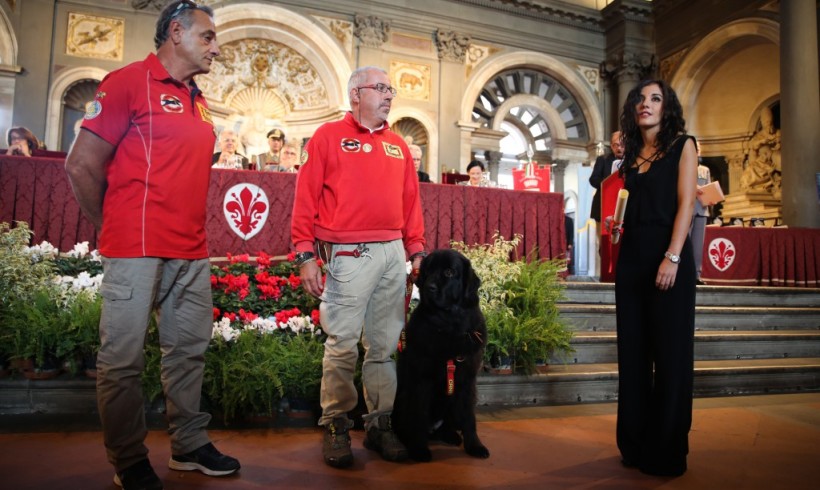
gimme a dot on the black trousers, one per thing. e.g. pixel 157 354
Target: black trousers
pixel 655 354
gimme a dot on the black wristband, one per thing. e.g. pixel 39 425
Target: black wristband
pixel 421 254
pixel 302 257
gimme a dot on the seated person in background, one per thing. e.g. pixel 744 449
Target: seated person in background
pixel 228 156
pixel 476 172
pixel 415 152
pixel 21 142
pixel 289 159
pixel 276 139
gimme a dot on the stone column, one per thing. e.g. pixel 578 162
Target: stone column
pixel 558 168
pixel 493 160
pixel 799 113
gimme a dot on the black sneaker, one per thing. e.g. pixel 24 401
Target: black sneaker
pixel 336 443
pixel 138 476
pixel 206 459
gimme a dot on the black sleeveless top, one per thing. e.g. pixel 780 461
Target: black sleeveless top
pixel 653 195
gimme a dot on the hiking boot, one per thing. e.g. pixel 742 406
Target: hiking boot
pixel 381 438
pixel 336 444
pixel 138 476
pixel 206 459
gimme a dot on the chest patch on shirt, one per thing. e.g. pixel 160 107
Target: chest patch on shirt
pixel 392 150
pixel 351 145
pixel 170 103
pixel 204 113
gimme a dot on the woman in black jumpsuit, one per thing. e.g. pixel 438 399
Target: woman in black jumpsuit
pixel 655 283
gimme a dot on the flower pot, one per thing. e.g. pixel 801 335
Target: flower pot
pixel 47 370
pixel 19 364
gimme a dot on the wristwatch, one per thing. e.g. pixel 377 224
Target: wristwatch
pixel 675 259
pixel 302 257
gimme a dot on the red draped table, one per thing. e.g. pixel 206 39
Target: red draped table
pixel 736 256
pixel 36 190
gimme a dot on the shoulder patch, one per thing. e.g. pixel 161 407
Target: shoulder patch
pixel 392 150
pixel 304 158
pixel 92 109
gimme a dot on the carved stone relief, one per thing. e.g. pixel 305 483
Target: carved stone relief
pixel 412 80
pixel 268 65
pixel 371 30
pixel 452 45
pixel 477 53
pixel 591 75
pixel 670 64
pixel 629 66
pixel 90 36
pixel 342 30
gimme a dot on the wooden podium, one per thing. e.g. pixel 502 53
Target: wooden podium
pixel 609 252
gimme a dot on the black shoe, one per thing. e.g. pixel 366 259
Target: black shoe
pixel 206 459
pixel 138 476
pixel 381 438
pixel 336 444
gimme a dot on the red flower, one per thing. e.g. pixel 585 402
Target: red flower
pixel 243 293
pixel 295 281
pixel 230 316
pixel 216 313
pixel 263 259
pixel 243 258
pixel 247 316
pixel 292 256
pixel 214 281
pixel 314 317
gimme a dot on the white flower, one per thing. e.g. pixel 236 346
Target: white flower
pixel 223 329
pixel 80 250
pixel 43 251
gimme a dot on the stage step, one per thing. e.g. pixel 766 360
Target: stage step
pixel 747 341
pixel 585 383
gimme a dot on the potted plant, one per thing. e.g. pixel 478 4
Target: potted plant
pixel 20 279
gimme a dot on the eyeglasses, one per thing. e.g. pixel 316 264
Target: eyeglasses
pixel 183 6
pixel 380 87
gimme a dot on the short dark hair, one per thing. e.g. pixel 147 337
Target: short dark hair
pixel 475 163
pixel 181 10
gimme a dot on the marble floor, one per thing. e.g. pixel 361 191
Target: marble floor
pixel 756 442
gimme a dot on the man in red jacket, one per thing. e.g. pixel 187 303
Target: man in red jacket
pixel 357 204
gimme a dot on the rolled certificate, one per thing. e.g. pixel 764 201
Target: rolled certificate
pixel 620 210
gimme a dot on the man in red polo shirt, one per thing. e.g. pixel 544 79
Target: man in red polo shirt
pixel 140 169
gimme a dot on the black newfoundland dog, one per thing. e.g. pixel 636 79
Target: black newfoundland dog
pixel 442 351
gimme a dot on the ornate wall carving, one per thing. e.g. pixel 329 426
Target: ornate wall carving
pixel 371 30
pixel 342 30
pixel 477 53
pixel 90 36
pixel 592 77
pixel 452 45
pixel 670 64
pixel 266 65
pixel 412 80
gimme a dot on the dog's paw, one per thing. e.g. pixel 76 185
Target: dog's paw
pixel 478 451
pixel 420 454
pixel 446 436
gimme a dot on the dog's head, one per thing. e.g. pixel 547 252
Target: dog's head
pixel 447 280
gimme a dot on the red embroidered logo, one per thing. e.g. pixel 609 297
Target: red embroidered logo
pixel 722 253
pixel 246 208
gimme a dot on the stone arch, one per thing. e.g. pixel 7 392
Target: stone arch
pixel 63 81
pixel 550 115
pixel 429 125
pixel 563 74
pixel 304 36
pixel 8 41
pixel 700 63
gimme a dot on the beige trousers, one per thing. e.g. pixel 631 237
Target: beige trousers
pixel 363 298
